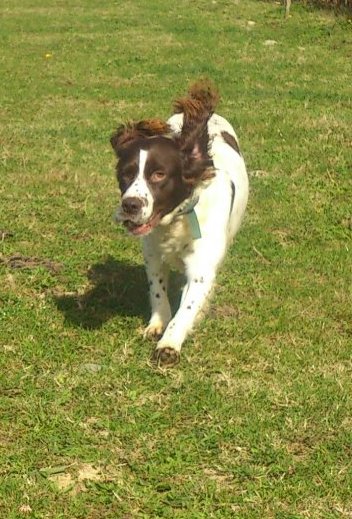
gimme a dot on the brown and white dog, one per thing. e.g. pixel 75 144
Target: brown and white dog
pixel 184 190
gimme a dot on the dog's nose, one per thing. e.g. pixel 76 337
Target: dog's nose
pixel 132 205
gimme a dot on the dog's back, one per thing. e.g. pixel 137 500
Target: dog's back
pixel 222 202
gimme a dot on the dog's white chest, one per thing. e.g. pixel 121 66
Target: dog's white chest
pixel 175 242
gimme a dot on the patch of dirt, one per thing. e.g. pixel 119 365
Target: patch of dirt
pixel 26 262
pixel 224 310
pixel 88 472
pixel 63 481
pixel 283 236
pixel 217 475
pixel 299 450
pixel 75 480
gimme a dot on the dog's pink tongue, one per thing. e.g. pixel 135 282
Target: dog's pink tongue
pixel 141 229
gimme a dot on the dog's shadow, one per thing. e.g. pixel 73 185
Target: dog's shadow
pixel 116 288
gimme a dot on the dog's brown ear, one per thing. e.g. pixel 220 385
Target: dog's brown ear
pixel 200 102
pixel 193 141
pixel 131 131
pixel 197 164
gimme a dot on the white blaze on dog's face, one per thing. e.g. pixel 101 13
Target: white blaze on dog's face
pixel 137 200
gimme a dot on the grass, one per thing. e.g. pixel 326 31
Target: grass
pixel 256 421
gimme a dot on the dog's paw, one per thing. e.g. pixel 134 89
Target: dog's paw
pixel 153 331
pixel 166 357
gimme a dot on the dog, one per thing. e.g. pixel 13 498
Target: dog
pixel 184 191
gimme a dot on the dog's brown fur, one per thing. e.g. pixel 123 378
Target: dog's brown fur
pixel 202 99
pixel 126 133
pixel 197 108
pixel 193 141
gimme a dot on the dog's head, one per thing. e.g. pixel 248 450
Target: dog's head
pixel 157 171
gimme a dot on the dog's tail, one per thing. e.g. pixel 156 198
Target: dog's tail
pixel 200 103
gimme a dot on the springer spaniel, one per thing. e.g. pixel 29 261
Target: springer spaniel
pixel 184 190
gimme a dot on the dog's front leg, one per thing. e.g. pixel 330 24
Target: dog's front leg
pixel 157 274
pixel 194 296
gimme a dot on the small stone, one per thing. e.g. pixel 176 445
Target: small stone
pixel 270 43
pixel 25 509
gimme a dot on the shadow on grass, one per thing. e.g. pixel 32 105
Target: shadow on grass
pixel 116 289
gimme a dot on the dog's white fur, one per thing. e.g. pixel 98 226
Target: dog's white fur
pixel 171 242
pixel 140 189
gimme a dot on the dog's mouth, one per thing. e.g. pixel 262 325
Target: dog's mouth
pixel 144 228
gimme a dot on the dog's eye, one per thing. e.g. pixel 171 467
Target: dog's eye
pixel 157 176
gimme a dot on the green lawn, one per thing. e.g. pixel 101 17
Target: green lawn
pixel 256 420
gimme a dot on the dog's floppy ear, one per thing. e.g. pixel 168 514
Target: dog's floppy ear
pixel 200 102
pixel 197 164
pixel 131 131
pixel 197 108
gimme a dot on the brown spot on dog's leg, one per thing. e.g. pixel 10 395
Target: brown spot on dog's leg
pixel 166 357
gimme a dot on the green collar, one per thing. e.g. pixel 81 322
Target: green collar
pixel 192 218
pixel 194 224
